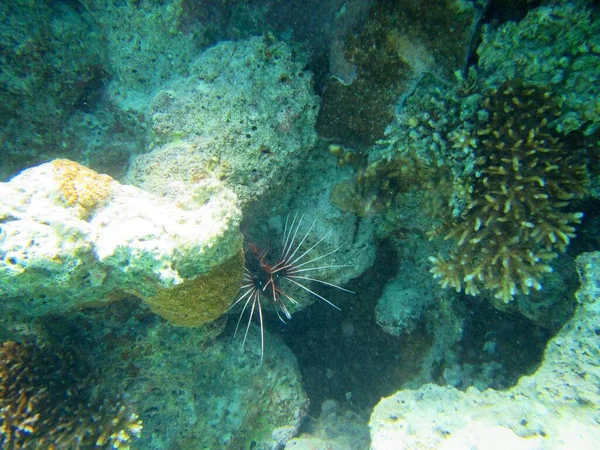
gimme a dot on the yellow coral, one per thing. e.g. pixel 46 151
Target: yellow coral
pixel 514 221
pixel 202 299
pixel 80 187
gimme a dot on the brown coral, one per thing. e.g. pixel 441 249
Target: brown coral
pixel 202 299
pixel 45 402
pixel 377 185
pixel 515 220
pixel 80 187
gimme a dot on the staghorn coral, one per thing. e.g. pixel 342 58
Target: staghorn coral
pixel 202 299
pixel 45 402
pixel 80 187
pixel 515 220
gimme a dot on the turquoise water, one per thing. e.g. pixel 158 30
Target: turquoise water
pixel 304 224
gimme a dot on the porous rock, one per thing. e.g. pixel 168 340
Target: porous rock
pixel 70 237
pixel 245 115
pixel 556 407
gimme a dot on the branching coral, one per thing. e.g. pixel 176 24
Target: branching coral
pixel 45 402
pixel 515 220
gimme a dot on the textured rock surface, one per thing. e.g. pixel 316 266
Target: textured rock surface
pixel 52 63
pixel 557 407
pixel 336 428
pixel 399 43
pixel 400 307
pixel 192 388
pixel 556 47
pixel 220 397
pixel 69 237
pixel 245 114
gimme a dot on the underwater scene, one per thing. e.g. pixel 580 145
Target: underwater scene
pixel 299 224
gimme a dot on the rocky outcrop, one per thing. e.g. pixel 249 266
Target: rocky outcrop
pixel 556 407
pixel 70 237
pixel 244 115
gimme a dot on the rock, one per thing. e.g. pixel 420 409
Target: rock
pixel 216 397
pixel 556 407
pixel 399 308
pixel 245 115
pixel 70 237
pixel 53 65
pixel 388 56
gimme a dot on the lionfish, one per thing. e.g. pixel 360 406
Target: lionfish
pixel 265 279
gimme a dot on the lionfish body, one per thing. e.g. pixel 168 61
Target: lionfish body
pixel 264 280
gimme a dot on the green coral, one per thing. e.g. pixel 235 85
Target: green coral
pixel 515 220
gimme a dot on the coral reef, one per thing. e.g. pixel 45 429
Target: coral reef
pixel 558 404
pixel 71 237
pixel 445 133
pixel 249 137
pixel 515 219
pixel 399 43
pixel 224 397
pixel 556 47
pixel 495 174
pixel 46 402
pixel 191 388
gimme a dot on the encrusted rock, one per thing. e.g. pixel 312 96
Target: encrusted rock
pixel 71 237
pixel 557 407
pixel 245 115
pixel 386 58
pixel 191 390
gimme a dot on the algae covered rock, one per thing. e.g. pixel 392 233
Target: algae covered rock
pixel 398 45
pixel 71 237
pixel 191 388
pixel 399 308
pixel 215 395
pixel 244 115
pixel 53 61
pixel 556 407
pixel 556 47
